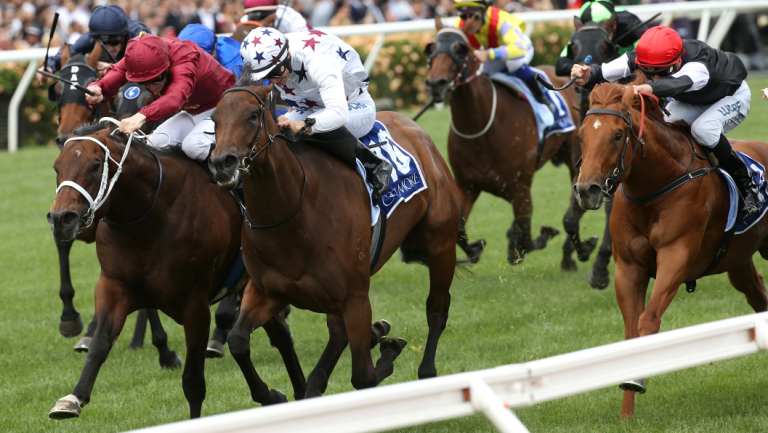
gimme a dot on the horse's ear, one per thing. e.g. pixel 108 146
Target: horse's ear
pixel 269 21
pixel 629 98
pixel 429 49
pixel 92 58
pixel 65 54
pixel 438 23
pixel 640 78
pixel 577 24
pixel 610 26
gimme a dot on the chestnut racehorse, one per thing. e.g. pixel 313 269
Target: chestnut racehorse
pixel 157 245
pixel 669 217
pixel 310 241
pixel 498 150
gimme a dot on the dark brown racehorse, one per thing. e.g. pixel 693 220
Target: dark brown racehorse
pixel 493 145
pixel 74 111
pixel 310 241
pixel 672 233
pixel 245 27
pixel 157 247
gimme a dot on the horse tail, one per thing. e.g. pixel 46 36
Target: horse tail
pixel 473 250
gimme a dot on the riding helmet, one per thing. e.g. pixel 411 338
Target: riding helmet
pixel 108 20
pixel 146 58
pixel 659 47
pixel 264 50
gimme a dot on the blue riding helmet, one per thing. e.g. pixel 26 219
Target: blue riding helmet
pixel 108 20
pixel 200 35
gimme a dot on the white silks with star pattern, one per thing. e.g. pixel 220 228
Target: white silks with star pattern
pixel 328 81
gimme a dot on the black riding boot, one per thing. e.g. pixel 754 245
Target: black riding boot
pixel 731 163
pixel 377 170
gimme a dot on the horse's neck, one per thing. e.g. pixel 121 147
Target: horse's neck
pixel 274 185
pixel 471 104
pixel 667 155
pixel 134 192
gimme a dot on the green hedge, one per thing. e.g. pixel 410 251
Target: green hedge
pixel 397 80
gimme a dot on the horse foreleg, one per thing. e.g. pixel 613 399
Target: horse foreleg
pixel 519 235
pixel 168 358
pixel 137 341
pixel 442 262
pixel 70 324
pixel 280 338
pixel 196 324
pixel 748 281
pixel 573 242
pixel 111 310
pixel 631 286
pixel 599 277
pixel 226 313
pixel 337 342
pixel 255 311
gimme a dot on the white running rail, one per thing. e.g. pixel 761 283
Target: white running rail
pixel 705 10
pixel 494 391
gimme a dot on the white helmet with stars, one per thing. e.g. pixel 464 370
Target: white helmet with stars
pixel 263 50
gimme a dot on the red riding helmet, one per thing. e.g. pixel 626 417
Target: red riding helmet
pixel 146 57
pixel 658 48
pixel 259 4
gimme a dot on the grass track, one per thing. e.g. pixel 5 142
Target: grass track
pixel 500 314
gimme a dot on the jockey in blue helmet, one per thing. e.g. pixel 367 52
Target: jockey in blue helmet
pixel 225 49
pixel 110 26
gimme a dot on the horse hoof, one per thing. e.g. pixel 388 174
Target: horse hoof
pixel 170 360
pixel 276 397
pixel 515 257
pixel 66 407
pixel 215 349
pixel 549 232
pixel 413 257
pixel 586 248
pixel 475 250
pixel 71 328
pixel 394 345
pixel 637 385
pixel 427 372
pixel 83 345
pixel 568 265
pixel 382 328
pixel 599 279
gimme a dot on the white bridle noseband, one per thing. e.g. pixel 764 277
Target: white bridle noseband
pixel 106 185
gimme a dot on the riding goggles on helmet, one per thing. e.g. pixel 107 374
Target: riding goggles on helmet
pixel 110 39
pixel 468 14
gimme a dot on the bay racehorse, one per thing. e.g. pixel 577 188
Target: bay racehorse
pixel 493 145
pixel 167 238
pixel 309 240
pixel 74 111
pixel 669 216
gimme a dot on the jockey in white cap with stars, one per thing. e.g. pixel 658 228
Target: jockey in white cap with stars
pixel 323 81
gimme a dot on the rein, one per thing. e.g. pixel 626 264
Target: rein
pixel 613 180
pixel 247 161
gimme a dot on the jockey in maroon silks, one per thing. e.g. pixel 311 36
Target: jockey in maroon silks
pixel 188 83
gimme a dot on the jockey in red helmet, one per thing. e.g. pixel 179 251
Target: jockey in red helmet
pixel 706 86
pixel 187 81
pixel 287 19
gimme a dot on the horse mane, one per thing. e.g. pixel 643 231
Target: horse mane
pixel 94 127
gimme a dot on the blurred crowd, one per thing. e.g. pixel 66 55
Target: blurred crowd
pixel 26 23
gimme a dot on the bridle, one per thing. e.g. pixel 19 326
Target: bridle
pixel 255 151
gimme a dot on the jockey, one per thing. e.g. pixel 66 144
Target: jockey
pixel 223 48
pixel 324 82
pixel 188 83
pixel 707 88
pixel 624 29
pixel 499 38
pixel 287 19
pixel 110 26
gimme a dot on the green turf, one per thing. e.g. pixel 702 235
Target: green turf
pixel 500 314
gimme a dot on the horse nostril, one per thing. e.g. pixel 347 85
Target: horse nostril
pixel 594 189
pixel 230 161
pixel 69 218
pixel 49 217
pixel 60 140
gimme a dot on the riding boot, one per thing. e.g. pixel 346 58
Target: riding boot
pixel 377 170
pixel 731 163
pixel 528 76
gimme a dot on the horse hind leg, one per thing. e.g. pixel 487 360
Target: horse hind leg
pixel 599 277
pixel 70 324
pixel 519 235
pixel 226 313
pixel 473 250
pixel 168 358
pixel 137 341
pixel 748 281
pixel 280 338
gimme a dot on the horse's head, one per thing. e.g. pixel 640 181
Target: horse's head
pixel 73 110
pixel 450 62
pixel 82 179
pixel 609 141
pixel 245 129
pixel 593 44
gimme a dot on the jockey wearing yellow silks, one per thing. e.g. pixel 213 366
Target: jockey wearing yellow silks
pixel 498 38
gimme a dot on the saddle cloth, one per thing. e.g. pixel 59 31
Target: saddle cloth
pixel 736 221
pixel 407 178
pixel 547 123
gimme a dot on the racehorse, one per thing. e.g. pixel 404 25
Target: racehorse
pixel 244 27
pixel 74 111
pixel 309 237
pixel 669 217
pixel 498 150
pixel 157 247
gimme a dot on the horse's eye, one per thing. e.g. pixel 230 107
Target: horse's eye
pixel 618 135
